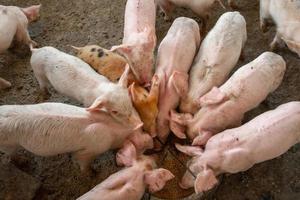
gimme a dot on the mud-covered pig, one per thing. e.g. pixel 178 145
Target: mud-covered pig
pixel 224 107
pixel 219 52
pixel 236 150
pixel 131 183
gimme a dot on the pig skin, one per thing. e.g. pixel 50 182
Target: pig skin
pixel 13 27
pixel 139 39
pixel 72 77
pixel 146 104
pixel 235 150
pixel 131 182
pixel 286 16
pixel 224 107
pixel 219 52
pixel 200 7
pixel 53 128
pixel 175 56
pixel 109 64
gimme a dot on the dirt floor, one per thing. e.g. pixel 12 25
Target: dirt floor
pixel 81 22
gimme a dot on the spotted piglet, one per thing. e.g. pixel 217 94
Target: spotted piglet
pixel 236 150
pixel 109 64
pixel 224 107
pixel 141 173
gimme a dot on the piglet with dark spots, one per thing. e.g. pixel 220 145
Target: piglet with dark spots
pixel 105 62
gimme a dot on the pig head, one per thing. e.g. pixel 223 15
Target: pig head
pixel 237 150
pixel 224 107
pixel 139 39
pixel 131 183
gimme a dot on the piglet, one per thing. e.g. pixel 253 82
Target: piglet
pixel 109 64
pixel 235 150
pixel 72 77
pixel 14 20
pixel 53 128
pixel 219 52
pixel 146 104
pixel 286 16
pixel 13 26
pixel 139 38
pixel 175 56
pixel 131 182
pixel 200 7
pixel 224 107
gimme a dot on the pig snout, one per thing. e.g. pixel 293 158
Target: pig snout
pixel 187 181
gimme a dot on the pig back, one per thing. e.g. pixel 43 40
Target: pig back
pixel 178 48
pixel 251 84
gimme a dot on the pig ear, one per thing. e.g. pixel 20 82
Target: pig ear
pixel 32 12
pixel 156 179
pixel 202 138
pixel 123 82
pixel 295 46
pixel 205 181
pixel 127 155
pixel 190 150
pixel 180 83
pixel 214 96
pixel 123 49
pixel 97 105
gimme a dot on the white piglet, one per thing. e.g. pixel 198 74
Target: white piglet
pixel 265 137
pixel 175 56
pixel 219 52
pixel 130 183
pixel 13 28
pixel 72 77
pixel 53 128
pixel 286 16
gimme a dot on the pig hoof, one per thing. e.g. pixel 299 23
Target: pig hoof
pixel 233 6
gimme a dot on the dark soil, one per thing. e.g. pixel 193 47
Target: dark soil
pixel 81 22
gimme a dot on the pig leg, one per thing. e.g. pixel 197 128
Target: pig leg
pixel 43 83
pixel 202 138
pixel 22 36
pixel 276 41
pixel 4 84
pixel 264 15
pixel 84 159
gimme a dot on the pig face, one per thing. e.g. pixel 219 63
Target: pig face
pixel 32 12
pixel 139 55
pixel 118 104
pixel 155 179
pixel 203 178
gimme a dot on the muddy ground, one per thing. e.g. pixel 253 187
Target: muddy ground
pixel 80 22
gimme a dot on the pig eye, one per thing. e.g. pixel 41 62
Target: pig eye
pixel 114 112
